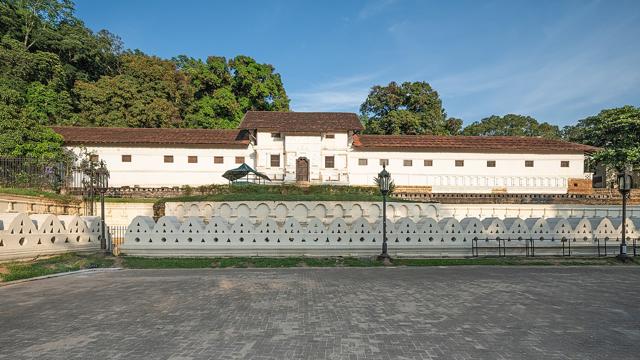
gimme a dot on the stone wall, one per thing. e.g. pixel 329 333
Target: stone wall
pixel 327 211
pixel 27 236
pixel 427 237
pixel 37 205
pixel 121 214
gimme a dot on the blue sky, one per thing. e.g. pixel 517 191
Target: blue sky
pixel 558 61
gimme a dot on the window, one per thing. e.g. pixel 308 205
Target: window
pixel 384 162
pixel 126 158
pixel 192 159
pixel 239 159
pixel 564 164
pixel 94 158
pixel 276 135
pixel 275 160
pixel 329 162
pixel 528 163
pixel 168 158
pixel 491 163
pixel 428 163
pixel 459 163
pixel 407 162
pixel 218 160
pixel 363 162
pixel 330 136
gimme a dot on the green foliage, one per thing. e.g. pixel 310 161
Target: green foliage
pixel 616 131
pixel 512 125
pixel 57 264
pixel 408 108
pixel 225 91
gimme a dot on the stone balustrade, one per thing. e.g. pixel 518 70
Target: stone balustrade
pixel 26 236
pixel 427 237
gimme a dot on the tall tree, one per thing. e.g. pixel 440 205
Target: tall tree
pixel 38 16
pixel 148 92
pixel 225 90
pixel 512 125
pixel 616 131
pixel 407 108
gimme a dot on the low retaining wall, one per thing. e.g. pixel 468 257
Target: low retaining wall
pixel 327 211
pixel 35 205
pixel 427 237
pixel 27 236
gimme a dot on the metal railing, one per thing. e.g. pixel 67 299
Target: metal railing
pixel 116 235
pixel 527 247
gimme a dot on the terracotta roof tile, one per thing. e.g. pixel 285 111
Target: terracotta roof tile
pixel 300 121
pixel 135 136
pixel 468 143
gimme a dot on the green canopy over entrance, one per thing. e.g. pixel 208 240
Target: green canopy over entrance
pixel 247 171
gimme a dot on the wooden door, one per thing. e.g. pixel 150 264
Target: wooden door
pixel 302 169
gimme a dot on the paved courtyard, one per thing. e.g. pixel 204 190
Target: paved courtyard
pixel 380 313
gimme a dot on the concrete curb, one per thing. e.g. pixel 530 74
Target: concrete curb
pixel 83 271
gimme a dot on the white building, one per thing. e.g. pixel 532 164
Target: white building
pixel 325 148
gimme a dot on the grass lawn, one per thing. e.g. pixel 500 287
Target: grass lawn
pixel 70 262
pixel 39 193
pixel 52 265
pixel 259 262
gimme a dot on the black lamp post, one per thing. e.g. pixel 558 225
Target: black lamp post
pixel 384 182
pixel 625 182
pixel 102 184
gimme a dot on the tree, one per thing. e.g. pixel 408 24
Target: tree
pixel 149 92
pixel 512 125
pixel 408 108
pixel 224 91
pixel 38 15
pixel 616 131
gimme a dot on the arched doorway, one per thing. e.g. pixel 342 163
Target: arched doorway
pixel 302 169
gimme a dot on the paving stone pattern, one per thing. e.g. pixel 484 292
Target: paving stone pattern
pixel 372 313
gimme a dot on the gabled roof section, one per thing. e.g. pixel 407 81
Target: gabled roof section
pixel 521 144
pixel 300 121
pixel 152 136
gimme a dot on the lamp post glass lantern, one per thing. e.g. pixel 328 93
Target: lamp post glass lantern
pixel 102 184
pixel 625 182
pixel 384 182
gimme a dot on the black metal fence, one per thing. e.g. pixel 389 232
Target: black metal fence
pixel 24 172
pixel 505 247
pixel 116 234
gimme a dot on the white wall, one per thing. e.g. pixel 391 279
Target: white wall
pixel 148 169
pixel 291 146
pixel 546 176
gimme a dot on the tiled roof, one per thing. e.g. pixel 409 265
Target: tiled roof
pixel 468 143
pixel 140 136
pixel 300 121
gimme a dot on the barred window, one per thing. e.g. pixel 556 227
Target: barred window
pixel 94 158
pixel 126 158
pixel 239 159
pixel 384 162
pixel 275 160
pixel 363 162
pixel 329 162
pixel 491 163
pixel 407 162
pixel 528 163
pixel 459 163
pixel 564 163
pixel 428 163
pixel 218 160
pixel 192 159
pixel 168 158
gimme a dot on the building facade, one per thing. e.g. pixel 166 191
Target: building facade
pixel 327 148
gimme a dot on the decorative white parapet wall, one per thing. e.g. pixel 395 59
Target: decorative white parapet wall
pixel 427 237
pixel 26 236
pixel 327 211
